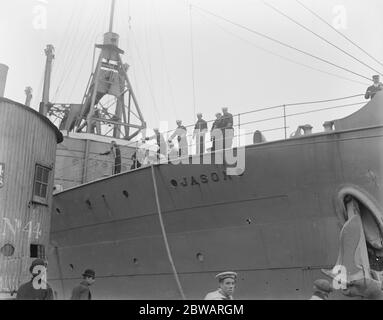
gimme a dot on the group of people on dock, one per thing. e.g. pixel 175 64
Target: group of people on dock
pixel 39 289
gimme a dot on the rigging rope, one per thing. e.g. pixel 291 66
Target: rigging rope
pixel 164 234
pixel 319 36
pixel 281 56
pixel 321 101
pixel 76 53
pixel 279 42
pixel 63 47
pixel 337 31
pixel 147 42
pixel 192 56
pixel 164 61
pixel 96 26
pixel 69 50
pixel 71 59
pixel 146 77
pixel 328 108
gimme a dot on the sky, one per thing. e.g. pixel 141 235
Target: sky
pixel 184 60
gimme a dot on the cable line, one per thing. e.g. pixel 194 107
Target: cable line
pixel 146 77
pixel 281 43
pixel 164 234
pixel 192 55
pixel 338 32
pixel 319 36
pixel 322 101
pixel 164 60
pixel 281 56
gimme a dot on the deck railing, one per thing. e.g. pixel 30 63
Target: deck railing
pixel 274 123
pixel 276 119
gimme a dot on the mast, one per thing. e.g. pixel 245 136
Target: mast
pixel 49 52
pixel 28 96
pixel 110 78
pixel 113 5
pixel 3 78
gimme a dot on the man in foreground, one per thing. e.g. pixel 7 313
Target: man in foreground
pixel 37 288
pixel 226 288
pixel 82 291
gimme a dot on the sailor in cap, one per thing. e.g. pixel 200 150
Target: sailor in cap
pixel 322 289
pixel 116 153
pixel 225 291
pixel 216 133
pixel 181 133
pixel 199 133
pixel 227 128
pixel 372 90
pixel 161 142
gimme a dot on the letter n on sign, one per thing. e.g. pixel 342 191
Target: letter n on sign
pixel 2 173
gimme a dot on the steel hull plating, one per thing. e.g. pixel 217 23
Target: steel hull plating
pixel 276 225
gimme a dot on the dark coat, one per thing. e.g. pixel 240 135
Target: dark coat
pixel 200 125
pixel 227 121
pixel 27 292
pixel 372 90
pixel 81 292
pixel 217 124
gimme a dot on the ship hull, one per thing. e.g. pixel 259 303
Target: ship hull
pixel 277 224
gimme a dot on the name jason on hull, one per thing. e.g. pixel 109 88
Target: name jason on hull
pixel 200 179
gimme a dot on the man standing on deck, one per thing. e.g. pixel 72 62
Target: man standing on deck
pixel 115 151
pixel 136 163
pixel 82 291
pixel 226 287
pixel 199 133
pixel 161 142
pixel 173 153
pixel 37 288
pixel 372 90
pixel 227 128
pixel 216 132
pixel 180 132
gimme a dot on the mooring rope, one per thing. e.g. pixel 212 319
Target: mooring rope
pixel 165 236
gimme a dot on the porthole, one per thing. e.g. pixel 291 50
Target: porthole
pixel 7 250
pixel 89 204
pixel 200 257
